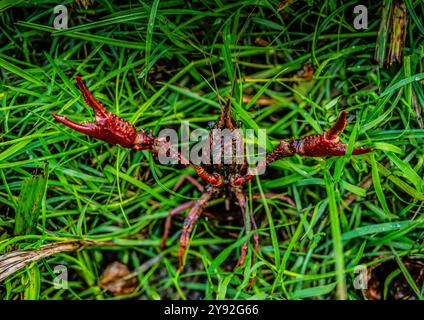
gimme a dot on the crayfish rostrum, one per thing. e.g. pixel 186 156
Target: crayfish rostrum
pixel 221 180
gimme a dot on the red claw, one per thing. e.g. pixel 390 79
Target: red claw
pixel 328 143
pixel 107 127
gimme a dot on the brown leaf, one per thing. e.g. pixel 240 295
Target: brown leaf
pixel 116 278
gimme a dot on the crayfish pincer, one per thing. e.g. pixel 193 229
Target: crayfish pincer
pixel 221 179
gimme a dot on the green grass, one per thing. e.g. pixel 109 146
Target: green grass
pixel 159 63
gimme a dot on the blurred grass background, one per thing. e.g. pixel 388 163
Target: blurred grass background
pixel 157 63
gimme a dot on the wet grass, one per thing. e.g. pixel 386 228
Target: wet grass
pixel 157 64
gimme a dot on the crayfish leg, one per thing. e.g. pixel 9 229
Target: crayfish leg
pixel 168 221
pixel 189 224
pixel 241 199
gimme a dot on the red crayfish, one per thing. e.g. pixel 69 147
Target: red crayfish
pixel 221 179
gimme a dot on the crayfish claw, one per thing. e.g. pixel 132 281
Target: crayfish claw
pixel 86 128
pixel 362 150
pixel 107 127
pixel 328 143
pixel 89 99
pixel 338 127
